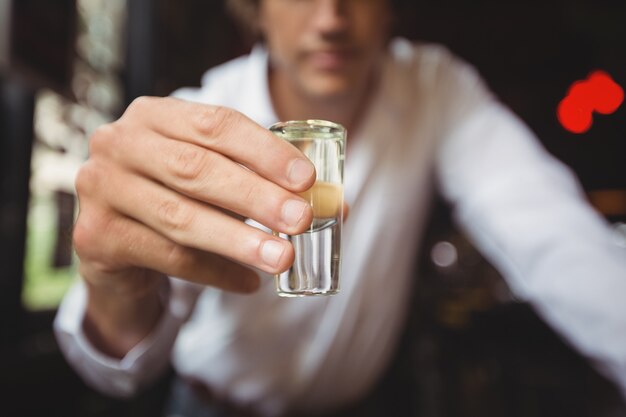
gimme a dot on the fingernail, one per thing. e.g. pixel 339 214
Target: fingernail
pixel 300 171
pixel 293 211
pixel 271 252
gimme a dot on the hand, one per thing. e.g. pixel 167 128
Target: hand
pixel 163 189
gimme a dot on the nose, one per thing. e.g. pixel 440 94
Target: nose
pixel 330 16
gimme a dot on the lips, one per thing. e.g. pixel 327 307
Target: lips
pixel 331 59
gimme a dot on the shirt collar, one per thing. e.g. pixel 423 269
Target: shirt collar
pixel 258 105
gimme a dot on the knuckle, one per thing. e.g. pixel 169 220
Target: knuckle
pixel 87 179
pixel 182 257
pixel 87 231
pixel 251 190
pixel 101 141
pixel 102 268
pixel 89 270
pixel 189 163
pixel 139 104
pixel 82 239
pixel 175 216
pixel 215 121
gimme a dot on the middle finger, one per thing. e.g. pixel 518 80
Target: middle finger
pixel 194 224
pixel 211 177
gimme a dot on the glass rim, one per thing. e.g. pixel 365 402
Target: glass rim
pixel 299 125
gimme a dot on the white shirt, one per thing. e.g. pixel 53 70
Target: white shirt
pixel 431 123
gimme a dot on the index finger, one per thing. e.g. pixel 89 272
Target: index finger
pixel 230 133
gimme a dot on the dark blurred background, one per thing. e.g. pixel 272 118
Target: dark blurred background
pixel 67 66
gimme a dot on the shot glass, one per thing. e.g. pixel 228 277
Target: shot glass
pixel 315 270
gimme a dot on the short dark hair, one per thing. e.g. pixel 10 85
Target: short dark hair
pixel 245 13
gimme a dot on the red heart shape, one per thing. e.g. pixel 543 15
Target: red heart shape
pixel 599 93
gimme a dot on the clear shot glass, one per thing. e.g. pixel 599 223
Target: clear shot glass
pixel 315 270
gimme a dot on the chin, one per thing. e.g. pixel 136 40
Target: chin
pixel 330 88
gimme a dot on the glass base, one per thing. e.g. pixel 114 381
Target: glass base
pixel 305 293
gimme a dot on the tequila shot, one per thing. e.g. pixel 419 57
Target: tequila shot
pixel 315 270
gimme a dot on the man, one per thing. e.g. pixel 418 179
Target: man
pixel 167 184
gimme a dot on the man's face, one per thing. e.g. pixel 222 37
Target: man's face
pixel 326 49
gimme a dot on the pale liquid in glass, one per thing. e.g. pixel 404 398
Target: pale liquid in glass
pixel 316 267
pixel 315 270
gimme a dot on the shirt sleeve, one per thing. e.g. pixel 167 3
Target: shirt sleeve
pixel 527 214
pixel 143 363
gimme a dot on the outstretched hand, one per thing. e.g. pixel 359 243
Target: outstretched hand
pixel 165 188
